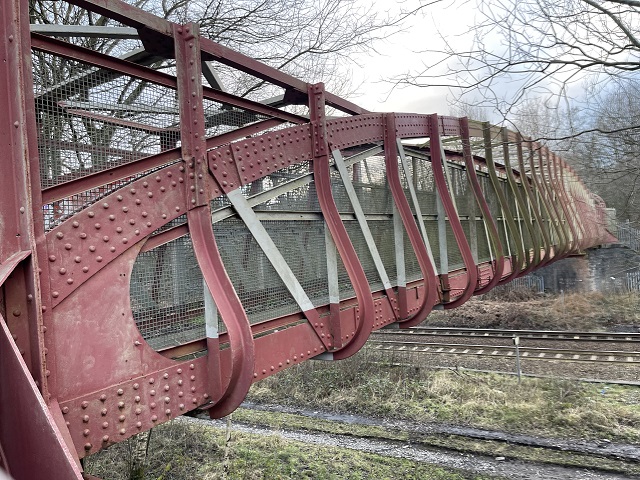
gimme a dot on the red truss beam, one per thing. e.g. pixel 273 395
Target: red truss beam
pixel 76 372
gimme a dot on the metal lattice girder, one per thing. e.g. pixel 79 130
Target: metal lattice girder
pixel 164 244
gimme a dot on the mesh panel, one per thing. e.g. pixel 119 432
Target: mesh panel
pixel 526 235
pixel 543 214
pixel 257 284
pixel 528 239
pixel 375 197
pixel 168 312
pixel 484 252
pixel 515 239
pixel 364 255
pixel 302 245
pixel 511 199
pixel 431 226
pixel 461 190
pixel 91 119
pixel 371 186
pixel 370 183
pixel 424 175
pixel 453 251
pixel 300 199
pixel 339 193
pixel 490 196
pixel 412 267
pixel 507 245
pixel 344 283
pixel 424 183
pixel 383 236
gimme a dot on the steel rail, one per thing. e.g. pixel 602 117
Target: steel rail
pixel 523 334
pixel 613 356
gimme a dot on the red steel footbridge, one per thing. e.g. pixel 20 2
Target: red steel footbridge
pixel 164 244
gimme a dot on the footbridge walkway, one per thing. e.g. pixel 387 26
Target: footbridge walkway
pixel 164 243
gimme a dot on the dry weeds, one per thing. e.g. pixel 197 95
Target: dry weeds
pixel 523 310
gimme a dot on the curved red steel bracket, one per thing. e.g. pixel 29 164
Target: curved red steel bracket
pixel 583 213
pixel 520 204
pixel 558 205
pixel 488 219
pixel 566 204
pixel 541 188
pixel 322 177
pixel 506 211
pixel 571 198
pixel 198 186
pixel 437 167
pixel 231 310
pixel 529 190
pixel 593 220
pixel 409 222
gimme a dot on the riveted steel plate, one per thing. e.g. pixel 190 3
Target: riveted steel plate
pixel 116 413
pixel 90 240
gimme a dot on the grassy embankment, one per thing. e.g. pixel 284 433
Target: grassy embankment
pixel 555 408
pixel 560 408
pixel 552 408
pixel 526 310
pixel 180 450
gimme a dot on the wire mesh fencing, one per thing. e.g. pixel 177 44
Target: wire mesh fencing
pixel 528 283
pixel 628 236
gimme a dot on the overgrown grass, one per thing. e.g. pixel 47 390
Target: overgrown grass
pixel 575 311
pixel 549 407
pixel 438 440
pixel 180 450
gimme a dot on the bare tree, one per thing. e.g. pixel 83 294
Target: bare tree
pixel 544 49
pixel 611 161
pixel 562 72
pixel 311 39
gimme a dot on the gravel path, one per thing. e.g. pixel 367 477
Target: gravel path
pixel 514 470
pixel 604 447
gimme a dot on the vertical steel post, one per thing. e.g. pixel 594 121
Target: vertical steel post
pixel 401 276
pixel 198 191
pixel 334 289
pixel 32 434
pixel 516 343
pixel 319 143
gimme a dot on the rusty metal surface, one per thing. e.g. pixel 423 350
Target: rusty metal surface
pixel 355 337
pixel 32 444
pixel 164 245
pixel 438 165
pixel 426 266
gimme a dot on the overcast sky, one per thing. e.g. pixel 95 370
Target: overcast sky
pixel 404 52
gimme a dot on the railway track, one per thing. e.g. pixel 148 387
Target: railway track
pixel 533 353
pixel 574 336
